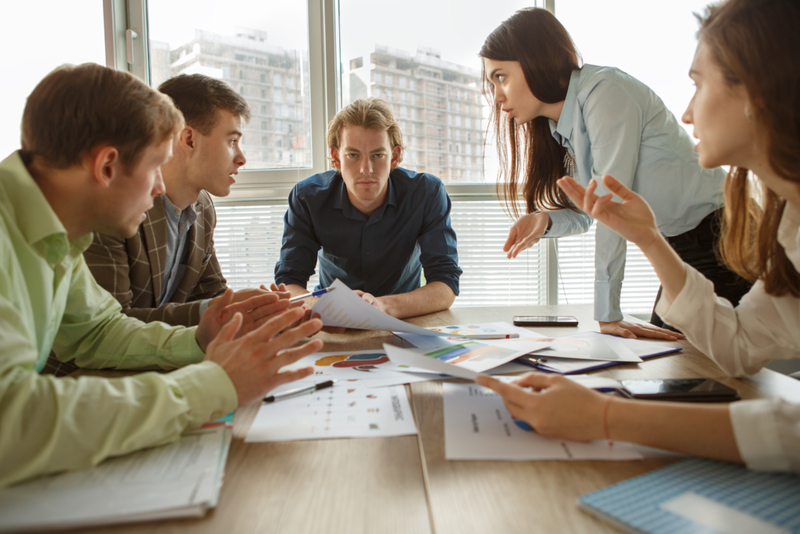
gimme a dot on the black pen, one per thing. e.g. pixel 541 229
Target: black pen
pixel 299 391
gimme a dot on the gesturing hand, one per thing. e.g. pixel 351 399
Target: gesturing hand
pixel 253 361
pixel 255 311
pixel 556 406
pixel 526 232
pixel 632 218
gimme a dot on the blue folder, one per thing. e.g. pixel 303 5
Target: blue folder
pixel 700 496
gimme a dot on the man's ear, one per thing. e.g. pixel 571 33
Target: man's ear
pixel 396 152
pixel 187 139
pixel 104 162
pixel 337 162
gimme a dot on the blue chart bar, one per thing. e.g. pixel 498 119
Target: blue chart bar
pixel 457 351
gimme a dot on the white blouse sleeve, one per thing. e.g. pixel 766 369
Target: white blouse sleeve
pixel 740 340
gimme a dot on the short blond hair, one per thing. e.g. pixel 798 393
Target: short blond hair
pixel 372 113
pixel 76 108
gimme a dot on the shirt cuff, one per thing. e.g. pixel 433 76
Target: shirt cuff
pixel 204 306
pixel 208 391
pixel 606 301
pixel 560 224
pixel 687 304
pixel 756 432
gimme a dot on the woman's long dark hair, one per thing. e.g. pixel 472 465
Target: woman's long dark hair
pixel 756 43
pixel 531 160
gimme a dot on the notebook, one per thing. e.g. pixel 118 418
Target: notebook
pixel 548 360
pixel 701 496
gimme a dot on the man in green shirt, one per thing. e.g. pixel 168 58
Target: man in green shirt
pixel 93 141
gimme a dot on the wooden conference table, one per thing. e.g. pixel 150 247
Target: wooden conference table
pixel 405 484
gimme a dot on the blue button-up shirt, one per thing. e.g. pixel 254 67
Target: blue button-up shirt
pixel 383 254
pixel 614 124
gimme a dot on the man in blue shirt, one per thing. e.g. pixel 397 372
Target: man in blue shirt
pixel 370 223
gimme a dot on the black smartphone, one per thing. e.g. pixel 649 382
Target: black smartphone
pixel 545 320
pixel 679 389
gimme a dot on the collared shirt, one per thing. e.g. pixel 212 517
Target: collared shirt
pixel 613 124
pixel 49 299
pixel 178 224
pixel 382 254
pixel 741 341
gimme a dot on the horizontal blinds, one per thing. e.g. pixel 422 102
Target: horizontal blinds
pixel 248 240
pixel 491 279
pixel 576 275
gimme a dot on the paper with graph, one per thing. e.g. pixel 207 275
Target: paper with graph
pixel 344 308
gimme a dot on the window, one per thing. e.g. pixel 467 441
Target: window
pixel 24 29
pixel 271 46
pixel 433 71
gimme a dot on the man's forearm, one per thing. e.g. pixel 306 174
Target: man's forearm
pixel 430 298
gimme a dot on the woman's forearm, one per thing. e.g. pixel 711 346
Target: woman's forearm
pixel 691 428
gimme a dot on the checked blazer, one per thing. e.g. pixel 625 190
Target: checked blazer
pixel 133 269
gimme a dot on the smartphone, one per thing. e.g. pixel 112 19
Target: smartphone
pixel 545 320
pixel 679 389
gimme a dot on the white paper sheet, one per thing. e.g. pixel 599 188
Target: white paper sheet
pixel 346 410
pixel 476 356
pixel 181 479
pixel 499 328
pixel 344 308
pixel 477 426
pixel 590 346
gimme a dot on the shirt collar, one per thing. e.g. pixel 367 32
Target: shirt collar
pixel 565 120
pixel 35 219
pixel 175 214
pixel 342 201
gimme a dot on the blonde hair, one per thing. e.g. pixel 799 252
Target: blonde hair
pixel 372 113
pixel 76 108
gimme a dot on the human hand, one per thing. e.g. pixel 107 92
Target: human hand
pixel 526 232
pixel 255 311
pixel 632 218
pixel 253 361
pixel 632 330
pixel 244 294
pixel 379 302
pixel 556 407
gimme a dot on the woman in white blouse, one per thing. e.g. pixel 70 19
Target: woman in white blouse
pixel 552 117
pixel 746 113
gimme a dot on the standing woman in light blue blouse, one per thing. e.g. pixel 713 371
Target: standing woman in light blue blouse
pixel 552 117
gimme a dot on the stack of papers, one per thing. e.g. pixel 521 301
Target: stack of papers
pixel 181 479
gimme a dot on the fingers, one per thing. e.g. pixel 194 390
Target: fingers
pixel 291 355
pixel 263 312
pixel 228 331
pixel 285 377
pixel 511 393
pixel 221 302
pixel 512 238
pixel 652 331
pixel 573 189
pixel 616 187
pixel 274 325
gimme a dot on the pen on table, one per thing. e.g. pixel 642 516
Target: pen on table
pixel 299 391
pixel 317 293
pixel 491 336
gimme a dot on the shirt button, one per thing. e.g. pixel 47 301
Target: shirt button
pixel 177 211
pixel 367 253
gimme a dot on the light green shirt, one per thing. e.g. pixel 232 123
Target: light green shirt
pixel 49 299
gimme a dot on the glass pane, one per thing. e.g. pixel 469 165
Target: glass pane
pixel 265 60
pixel 625 34
pixel 428 68
pixel 34 44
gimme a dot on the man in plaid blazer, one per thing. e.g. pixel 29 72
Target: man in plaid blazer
pixel 169 270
